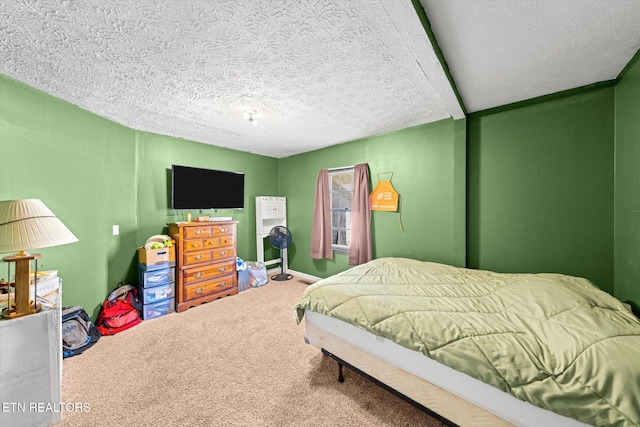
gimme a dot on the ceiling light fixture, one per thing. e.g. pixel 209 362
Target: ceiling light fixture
pixel 249 114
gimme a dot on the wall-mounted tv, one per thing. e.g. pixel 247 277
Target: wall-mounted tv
pixel 197 188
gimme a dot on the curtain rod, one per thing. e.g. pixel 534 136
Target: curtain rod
pixel 340 168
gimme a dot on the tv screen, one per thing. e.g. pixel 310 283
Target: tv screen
pixel 197 188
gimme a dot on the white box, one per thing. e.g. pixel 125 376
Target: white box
pixel 46 286
pixel 31 368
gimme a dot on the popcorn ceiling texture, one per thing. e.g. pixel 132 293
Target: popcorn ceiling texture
pixel 318 73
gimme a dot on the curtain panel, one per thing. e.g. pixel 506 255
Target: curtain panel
pixel 321 246
pixel 360 248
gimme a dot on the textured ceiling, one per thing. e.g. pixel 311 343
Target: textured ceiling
pixel 500 52
pixel 317 73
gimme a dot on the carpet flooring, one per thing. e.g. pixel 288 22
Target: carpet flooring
pixel 237 361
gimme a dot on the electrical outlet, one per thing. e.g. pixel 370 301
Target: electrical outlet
pixel 116 230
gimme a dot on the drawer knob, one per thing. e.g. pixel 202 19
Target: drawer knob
pixel 198 257
pixel 222 230
pixel 198 274
pixel 222 284
pixel 198 231
pixel 223 252
pixel 222 269
pixel 198 291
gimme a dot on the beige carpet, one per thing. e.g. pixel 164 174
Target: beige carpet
pixel 237 361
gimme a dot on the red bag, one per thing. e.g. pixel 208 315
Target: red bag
pixel 119 311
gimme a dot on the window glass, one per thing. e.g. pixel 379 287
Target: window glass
pixel 341 195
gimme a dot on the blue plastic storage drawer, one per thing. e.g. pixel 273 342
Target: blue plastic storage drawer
pixel 153 267
pixel 157 277
pixel 157 309
pixel 157 293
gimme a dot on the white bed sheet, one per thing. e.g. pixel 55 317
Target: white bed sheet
pixel 468 388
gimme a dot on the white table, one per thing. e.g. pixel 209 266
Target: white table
pixel 31 369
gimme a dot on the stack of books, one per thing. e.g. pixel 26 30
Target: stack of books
pixel 48 285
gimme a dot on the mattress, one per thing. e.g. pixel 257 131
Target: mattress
pixel 482 395
pixel 553 340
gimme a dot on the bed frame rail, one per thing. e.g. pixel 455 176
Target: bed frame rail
pixel 393 391
pixel 446 406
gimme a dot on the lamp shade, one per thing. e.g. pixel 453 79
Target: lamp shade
pixel 29 224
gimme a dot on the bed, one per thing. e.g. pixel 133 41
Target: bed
pixel 482 348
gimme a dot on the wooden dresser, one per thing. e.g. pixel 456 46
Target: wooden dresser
pixel 205 262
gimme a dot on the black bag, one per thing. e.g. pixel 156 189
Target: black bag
pixel 78 331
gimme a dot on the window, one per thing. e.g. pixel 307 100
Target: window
pixel 341 195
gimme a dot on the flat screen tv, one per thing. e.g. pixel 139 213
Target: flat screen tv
pixel 197 188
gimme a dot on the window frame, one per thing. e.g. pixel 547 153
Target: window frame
pixel 337 248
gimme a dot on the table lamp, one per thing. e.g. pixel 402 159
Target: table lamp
pixel 24 225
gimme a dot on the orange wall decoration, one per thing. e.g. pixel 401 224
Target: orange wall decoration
pixel 384 197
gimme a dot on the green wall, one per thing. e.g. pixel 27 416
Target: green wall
pixel 627 184
pixel 156 154
pixel 94 173
pixel 82 167
pixel 428 164
pixel 525 187
pixel 540 181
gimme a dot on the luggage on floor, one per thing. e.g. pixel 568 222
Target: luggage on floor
pixel 78 331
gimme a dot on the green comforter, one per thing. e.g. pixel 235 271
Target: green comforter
pixel 555 341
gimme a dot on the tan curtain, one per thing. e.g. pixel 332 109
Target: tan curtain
pixel 321 227
pixel 360 246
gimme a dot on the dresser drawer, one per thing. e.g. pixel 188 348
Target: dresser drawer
pixel 195 232
pixel 201 289
pixel 197 257
pixel 199 274
pixel 212 242
pixel 220 253
pixel 227 241
pixel 219 230
pixel 193 245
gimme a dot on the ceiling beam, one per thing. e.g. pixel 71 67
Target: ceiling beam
pixel 428 56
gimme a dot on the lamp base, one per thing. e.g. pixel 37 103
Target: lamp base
pixel 12 313
pixel 22 304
